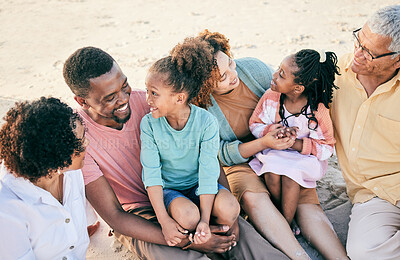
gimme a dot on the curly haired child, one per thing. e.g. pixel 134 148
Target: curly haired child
pixel 298 105
pixel 180 143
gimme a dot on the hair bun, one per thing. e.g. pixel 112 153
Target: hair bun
pixel 193 57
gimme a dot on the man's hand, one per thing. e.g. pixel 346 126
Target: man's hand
pixel 173 232
pixel 219 242
pixel 234 230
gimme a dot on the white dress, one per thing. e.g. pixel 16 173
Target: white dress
pixel 304 169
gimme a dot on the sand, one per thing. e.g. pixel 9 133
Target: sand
pixel 37 37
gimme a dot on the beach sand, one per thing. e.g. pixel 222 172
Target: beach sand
pixel 37 37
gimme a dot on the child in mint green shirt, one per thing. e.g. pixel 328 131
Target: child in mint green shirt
pixel 179 148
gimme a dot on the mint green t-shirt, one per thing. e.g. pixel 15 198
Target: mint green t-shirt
pixel 181 159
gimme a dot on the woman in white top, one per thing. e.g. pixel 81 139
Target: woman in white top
pixel 42 197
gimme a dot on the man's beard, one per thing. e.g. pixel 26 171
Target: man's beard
pixel 122 120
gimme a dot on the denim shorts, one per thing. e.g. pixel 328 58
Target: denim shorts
pixel 191 194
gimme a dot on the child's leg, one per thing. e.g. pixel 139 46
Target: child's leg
pixel 273 183
pixel 226 208
pixel 290 198
pixel 184 212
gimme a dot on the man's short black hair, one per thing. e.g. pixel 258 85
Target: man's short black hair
pixel 85 64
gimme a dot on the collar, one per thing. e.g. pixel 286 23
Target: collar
pixel 26 190
pixel 348 64
pixel 382 88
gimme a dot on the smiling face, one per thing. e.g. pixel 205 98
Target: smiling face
pixel 160 97
pixel 108 100
pixel 283 77
pixel 229 78
pixel 376 44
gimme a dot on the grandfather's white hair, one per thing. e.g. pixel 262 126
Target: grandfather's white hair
pixel 386 21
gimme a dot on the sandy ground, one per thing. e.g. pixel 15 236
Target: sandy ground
pixel 38 35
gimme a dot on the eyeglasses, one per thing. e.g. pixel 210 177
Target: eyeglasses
pixel 366 52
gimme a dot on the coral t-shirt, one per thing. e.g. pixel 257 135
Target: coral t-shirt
pixel 116 154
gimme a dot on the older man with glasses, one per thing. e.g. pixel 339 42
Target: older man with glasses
pixel 367 54
pixel 366 116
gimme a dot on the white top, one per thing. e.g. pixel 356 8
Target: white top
pixel 34 225
pixel 303 169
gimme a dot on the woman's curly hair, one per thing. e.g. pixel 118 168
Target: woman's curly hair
pixel 188 68
pixel 38 138
pixel 217 42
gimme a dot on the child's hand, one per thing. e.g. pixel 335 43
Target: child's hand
pixel 203 233
pixel 292 132
pixel 173 232
pixel 281 133
pixel 271 140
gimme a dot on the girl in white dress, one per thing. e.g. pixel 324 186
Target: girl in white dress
pixel 298 105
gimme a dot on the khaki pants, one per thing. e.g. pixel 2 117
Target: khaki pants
pixel 374 230
pixel 242 178
pixel 250 246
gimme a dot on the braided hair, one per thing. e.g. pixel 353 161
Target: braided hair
pixel 187 68
pixel 318 80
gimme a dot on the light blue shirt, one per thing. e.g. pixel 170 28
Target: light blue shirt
pixel 181 159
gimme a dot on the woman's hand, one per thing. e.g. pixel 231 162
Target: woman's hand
pixel 273 141
pixel 173 232
pixel 270 140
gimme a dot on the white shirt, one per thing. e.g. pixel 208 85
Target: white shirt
pixel 34 225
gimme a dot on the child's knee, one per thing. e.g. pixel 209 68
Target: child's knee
pixel 188 216
pixel 226 208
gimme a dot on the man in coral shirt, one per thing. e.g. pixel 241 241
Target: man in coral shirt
pixel 366 116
